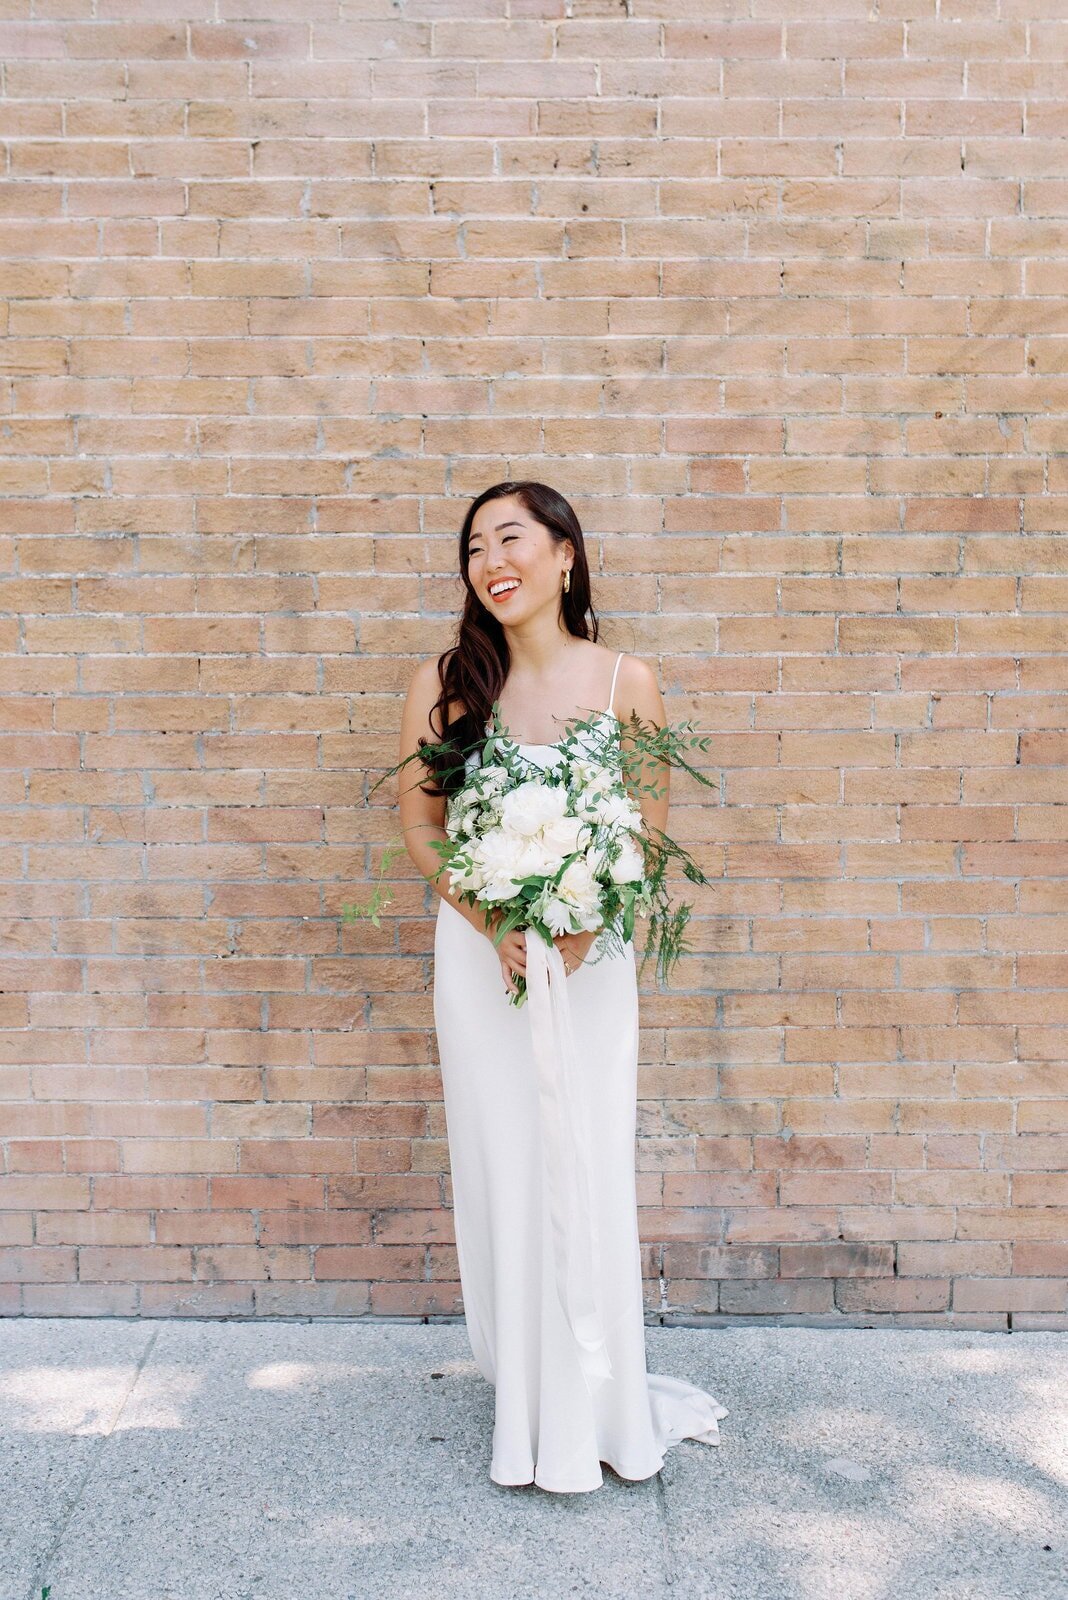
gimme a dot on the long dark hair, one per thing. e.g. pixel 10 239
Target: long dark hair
pixel 472 672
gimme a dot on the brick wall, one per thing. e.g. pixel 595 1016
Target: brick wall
pixel 778 301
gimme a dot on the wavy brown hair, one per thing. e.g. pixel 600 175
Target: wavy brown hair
pixel 472 672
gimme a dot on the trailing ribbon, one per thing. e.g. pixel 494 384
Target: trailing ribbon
pixel 565 1139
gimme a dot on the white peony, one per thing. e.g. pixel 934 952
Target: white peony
pixel 612 810
pixel 510 833
pixel 628 867
pixel 530 805
pixel 493 779
pixel 463 819
pixel 465 874
pixel 557 915
pixel 531 858
pixel 562 836
pixel 495 855
pixel 593 784
pixel 598 855
pixel 586 775
pixel 577 882
pixel 605 842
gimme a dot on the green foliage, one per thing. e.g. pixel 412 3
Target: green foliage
pixel 378 901
pixel 645 745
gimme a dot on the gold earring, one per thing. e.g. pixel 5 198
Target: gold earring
pixel 567 579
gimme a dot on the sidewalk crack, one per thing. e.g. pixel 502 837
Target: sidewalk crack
pixel 671 1570
pixel 40 1580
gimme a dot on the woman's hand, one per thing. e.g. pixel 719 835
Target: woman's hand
pixel 513 953
pixel 574 947
pixel 512 950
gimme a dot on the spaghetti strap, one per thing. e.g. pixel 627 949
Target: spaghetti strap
pixel 612 690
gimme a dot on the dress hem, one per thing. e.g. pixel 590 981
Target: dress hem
pixel 579 1488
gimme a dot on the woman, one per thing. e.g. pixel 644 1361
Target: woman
pixel 524 641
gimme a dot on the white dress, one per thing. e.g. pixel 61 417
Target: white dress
pixel 541 1149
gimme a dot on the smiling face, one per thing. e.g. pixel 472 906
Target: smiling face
pixel 507 544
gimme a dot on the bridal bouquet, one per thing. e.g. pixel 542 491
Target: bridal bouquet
pixel 563 847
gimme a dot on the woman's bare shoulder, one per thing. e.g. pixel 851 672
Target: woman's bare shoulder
pixel 638 691
pixel 425 688
pixel 426 671
pixel 638 670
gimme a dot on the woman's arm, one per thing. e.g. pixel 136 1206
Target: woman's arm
pixel 422 815
pixel 639 693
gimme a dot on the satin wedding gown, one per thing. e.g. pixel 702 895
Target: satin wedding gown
pixel 540 1107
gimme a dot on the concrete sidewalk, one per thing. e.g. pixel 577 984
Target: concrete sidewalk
pixel 207 1460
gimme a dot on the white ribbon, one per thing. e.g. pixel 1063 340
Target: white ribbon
pixel 565 1138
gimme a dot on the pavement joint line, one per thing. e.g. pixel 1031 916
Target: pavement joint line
pixel 714 1322
pixel 670 1565
pixel 40 1577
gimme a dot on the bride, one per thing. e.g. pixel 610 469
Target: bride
pixel 572 1392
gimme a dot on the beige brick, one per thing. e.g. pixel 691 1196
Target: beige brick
pixel 723 282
